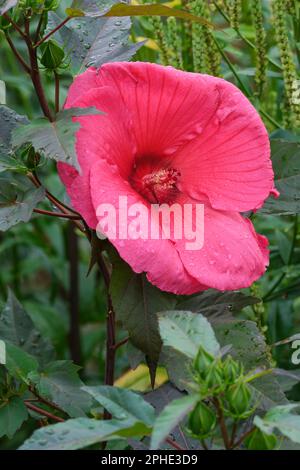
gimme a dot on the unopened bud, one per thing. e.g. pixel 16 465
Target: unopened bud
pixel 202 420
pixel 260 441
pixel 52 55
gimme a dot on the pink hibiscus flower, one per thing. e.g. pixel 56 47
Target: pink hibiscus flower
pixel 172 136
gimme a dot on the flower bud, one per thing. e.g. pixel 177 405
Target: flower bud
pixel 214 377
pixel 202 420
pixel 203 361
pixel 52 55
pixel 260 441
pixel 239 398
pixel 231 370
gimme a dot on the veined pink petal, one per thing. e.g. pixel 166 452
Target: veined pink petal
pixel 233 255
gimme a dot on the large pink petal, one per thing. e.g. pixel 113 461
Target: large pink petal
pixel 105 136
pixel 230 161
pixel 233 255
pixel 169 107
pixel 158 258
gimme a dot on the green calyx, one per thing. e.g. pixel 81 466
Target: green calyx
pixel 202 420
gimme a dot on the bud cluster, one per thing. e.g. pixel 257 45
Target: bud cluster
pixel 223 385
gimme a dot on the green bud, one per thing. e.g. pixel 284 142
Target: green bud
pixel 52 55
pixel 231 370
pixel 260 441
pixel 203 361
pixel 239 398
pixel 214 377
pixel 202 420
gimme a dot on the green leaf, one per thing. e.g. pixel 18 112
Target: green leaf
pixel 60 383
pixel 170 417
pixel 285 158
pixel 94 41
pixel 19 363
pixel 5 5
pixel 17 328
pixel 9 120
pixel 283 420
pixel 74 434
pixel 13 413
pixel 55 139
pixel 136 303
pixel 18 198
pixel 185 332
pixel 123 404
pixel 216 305
pixel 123 9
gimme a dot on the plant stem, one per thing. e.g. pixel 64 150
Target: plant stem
pixel 35 73
pixel 120 343
pixel 16 27
pixel 43 400
pixel 242 438
pixel 16 53
pixel 222 423
pixel 56 78
pixel 52 32
pixel 74 334
pixel 43 412
pixel 174 444
pixel 56 214
pixel 38 30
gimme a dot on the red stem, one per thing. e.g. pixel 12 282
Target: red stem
pixel 16 53
pixel 52 32
pixel 174 444
pixel 43 412
pixel 56 214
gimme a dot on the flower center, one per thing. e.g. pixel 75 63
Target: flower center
pixel 157 185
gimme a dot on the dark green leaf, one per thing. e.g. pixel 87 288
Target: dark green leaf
pixel 94 41
pixel 19 363
pixel 136 303
pixel 18 198
pixel 60 383
pixel 13 413
pixel 17 327
pixel 285 158
pixel 216 305
pixel 56 139
pixel 9 120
